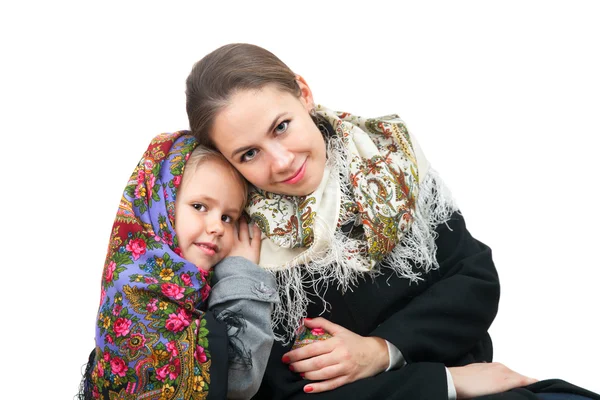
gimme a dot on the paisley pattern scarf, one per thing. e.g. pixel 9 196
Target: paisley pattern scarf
pixel 378 186
pixel 383 178
pixel 152 339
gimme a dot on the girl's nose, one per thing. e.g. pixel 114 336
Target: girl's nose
pixel 215 226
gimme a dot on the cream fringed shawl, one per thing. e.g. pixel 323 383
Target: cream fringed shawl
pixel 376 181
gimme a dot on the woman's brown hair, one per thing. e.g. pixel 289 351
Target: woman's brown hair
pixel 230 68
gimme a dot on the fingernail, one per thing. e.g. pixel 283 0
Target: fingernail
pixel 285 359
pixel 302 374
pixel 308 389
pixel 308 319
pixel 291 367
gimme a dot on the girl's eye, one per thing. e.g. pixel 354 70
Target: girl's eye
pixel 249 155
pixel 199 206
pixel 282 127
pixel 227 219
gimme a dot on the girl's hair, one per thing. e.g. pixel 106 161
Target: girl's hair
pixel 231 68
pixel 202 154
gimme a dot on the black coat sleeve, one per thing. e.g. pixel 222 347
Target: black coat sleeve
pixel 451 317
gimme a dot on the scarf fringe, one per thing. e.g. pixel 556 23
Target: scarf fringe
pixel 413 256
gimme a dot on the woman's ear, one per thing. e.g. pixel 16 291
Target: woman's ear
pixel 306 96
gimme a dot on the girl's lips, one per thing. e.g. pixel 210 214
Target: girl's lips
pixel 298 176
pixel 208 248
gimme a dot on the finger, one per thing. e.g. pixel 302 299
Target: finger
pixel 329 372
pixel 310 350
pixel 236 230
pixel 314 364
pixel 320 322
pixel 256 235
pixel 243 234
pixel 324 386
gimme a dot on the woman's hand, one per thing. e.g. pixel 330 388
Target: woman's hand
pixel 341 359
pixel 480 379
pixel 244 245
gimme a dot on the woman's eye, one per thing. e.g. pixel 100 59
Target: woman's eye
pixel 199 206
pixel 227 219
pixel 249 155
pixel 282 127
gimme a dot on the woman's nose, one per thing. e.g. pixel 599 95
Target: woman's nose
pixel 282 159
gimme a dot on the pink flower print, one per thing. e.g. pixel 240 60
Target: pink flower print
pixel 106 357
pixel 135 342
pixel 317 331
pixel 102 295
pixel 177 251
pixel 174 369
pixel 177 180
pixel 109 339
pixel 110 269
pixel 137 247
pixel 150 280
pixel 178 322
pixel 168 238
pixel 117 309
pixel 204 274
pixel 162 372
pixel 118 366
pixel 172 348
pixel 121 327
pixel 148 164
pixel 200 355
pixel 95 393
pixel 100 370
pixel 205 291
pixel 171 370
pixel 140 191
pixel 140 176
pixel 172 290
pixel 186 279
pixel 151 306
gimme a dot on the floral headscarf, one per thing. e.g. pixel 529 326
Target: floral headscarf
pixel 153 339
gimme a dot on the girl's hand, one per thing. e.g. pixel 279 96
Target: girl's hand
pixel 244 245
pixel 480 379
pixel 341 359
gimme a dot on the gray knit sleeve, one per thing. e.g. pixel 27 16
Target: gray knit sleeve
pixel 242 296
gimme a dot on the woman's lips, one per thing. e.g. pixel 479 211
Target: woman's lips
pixel 298 175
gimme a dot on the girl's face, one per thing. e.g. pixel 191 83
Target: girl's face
pixel 208 204
pixel 269 136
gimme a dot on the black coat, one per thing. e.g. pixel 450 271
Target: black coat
pixel 440 321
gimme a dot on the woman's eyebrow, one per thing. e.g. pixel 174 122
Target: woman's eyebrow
pixel 271 127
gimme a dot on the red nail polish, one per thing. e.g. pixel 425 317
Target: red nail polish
pixel 302 374
pixel 285 359
pixel 308 389
pixel 291 368
pixel 308 319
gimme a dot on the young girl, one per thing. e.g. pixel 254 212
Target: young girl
pixel 155 336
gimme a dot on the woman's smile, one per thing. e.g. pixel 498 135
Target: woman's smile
pixel 269 136
pixel 297 177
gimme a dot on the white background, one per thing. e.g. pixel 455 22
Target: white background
pixel 504 97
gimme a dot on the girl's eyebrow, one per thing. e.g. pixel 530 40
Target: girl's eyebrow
pixel 271 127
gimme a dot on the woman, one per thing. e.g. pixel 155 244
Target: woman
pixel 359 230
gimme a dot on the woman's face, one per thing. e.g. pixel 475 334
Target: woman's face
pixel 269 137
